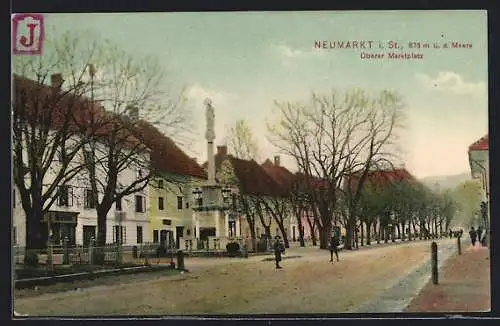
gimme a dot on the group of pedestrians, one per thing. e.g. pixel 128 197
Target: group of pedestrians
pixel 477 236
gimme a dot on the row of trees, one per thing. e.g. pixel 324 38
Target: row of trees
pixel 406 207
pixel 338 141
pixel 85 97
pixel 334 136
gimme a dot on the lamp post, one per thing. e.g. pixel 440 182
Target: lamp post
pixel 226 194
pixel 198 198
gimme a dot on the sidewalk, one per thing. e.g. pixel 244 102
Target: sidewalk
pixel 464 285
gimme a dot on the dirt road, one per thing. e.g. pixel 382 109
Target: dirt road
pixel 310 284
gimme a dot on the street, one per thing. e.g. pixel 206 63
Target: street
pixel 309 284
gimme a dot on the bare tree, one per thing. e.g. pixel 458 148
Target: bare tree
pixel 334 136
pixel 242 142
pixel 243 145
pixel 45 125
pixel 135 99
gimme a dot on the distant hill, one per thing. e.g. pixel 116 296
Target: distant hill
pixel 446 181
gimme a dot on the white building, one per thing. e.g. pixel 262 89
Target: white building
pixel 480 169
pixel 73 214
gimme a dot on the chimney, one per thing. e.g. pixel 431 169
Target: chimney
pixel 222 150
pixel 56 80
pixel 277 160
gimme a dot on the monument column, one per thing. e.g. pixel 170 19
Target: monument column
pixel 210 136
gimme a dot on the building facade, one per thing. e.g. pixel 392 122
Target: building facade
pixel 480 169
pixel 72 212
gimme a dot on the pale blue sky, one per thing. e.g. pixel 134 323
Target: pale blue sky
pixel 244 61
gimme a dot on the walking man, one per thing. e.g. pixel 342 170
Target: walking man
pixel 334 243
pixel 451 234
pixel 279 248
pixel 473 236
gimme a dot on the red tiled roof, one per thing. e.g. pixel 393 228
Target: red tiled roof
pixel 316 182
pixel 40 102
pixel 284 178
pixel 385 177
pixel 166 155
pixel 480 145
pixel 253 178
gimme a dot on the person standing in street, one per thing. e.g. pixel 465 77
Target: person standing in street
pixel 479 234
pixel 279 249
pixel 451 234
pixel 473 236
pixel 333 246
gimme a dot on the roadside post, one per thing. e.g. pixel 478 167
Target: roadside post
pixel 459 245
pixel 434 263
pixel 180 260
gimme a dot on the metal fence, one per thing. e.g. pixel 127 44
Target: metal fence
pixel 81 255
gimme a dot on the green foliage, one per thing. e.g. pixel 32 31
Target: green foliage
pixel 467 197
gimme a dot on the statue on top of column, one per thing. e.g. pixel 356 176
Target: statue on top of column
pixel 210 117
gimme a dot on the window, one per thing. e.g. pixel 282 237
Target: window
pixel 167 221
pixel 118 204
pixel 64 194
pixel 89 232
pixel 179 202
pixel 160 184
pixel 139 234
pixel 14 235
pixel 90 199
pixel 139 204
pixel 87 157
pixel 155 236
pixel 187 204
pixel 160 203
pixel 199 201
pixel 120 234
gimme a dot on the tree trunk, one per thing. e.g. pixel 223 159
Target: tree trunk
pixel 312 230
pixel 393 232
pixel 368 233
pixel 362 234
pixel 253 236
pixel 377 232
pixel 402 228
pixel 283 232
pixel 101 237
pixel 301 235
pixel 325 235
pixel 350 229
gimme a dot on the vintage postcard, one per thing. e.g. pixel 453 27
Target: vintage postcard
pixel 250 163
